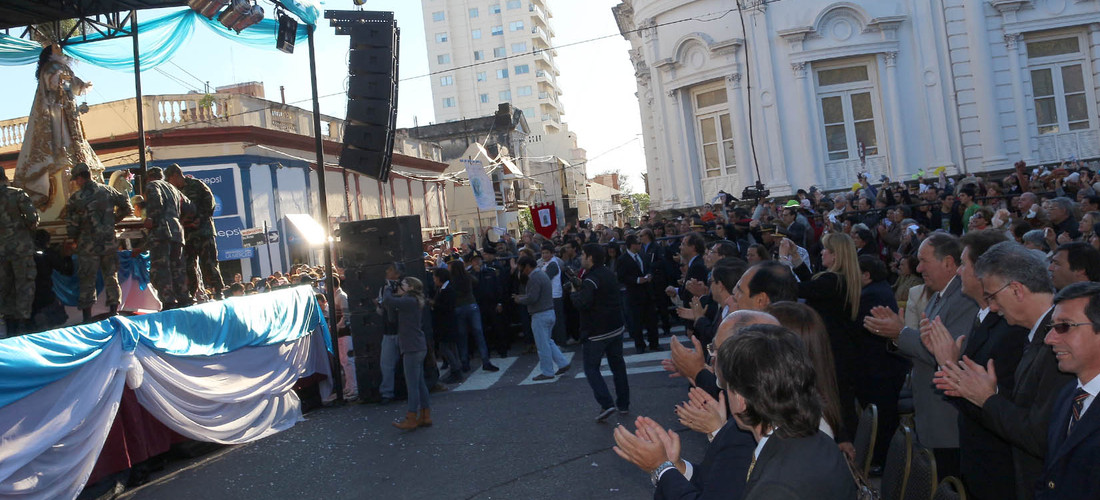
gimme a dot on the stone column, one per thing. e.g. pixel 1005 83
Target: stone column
pixel 1023 130
pixel 899 162
pixel 810 168
pixel 981 65
pixel 746 172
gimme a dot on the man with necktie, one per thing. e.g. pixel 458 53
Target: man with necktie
pixel 985 458
pixel 636 276
pixel 1073 449
pixel 1016 285
pixel 936 419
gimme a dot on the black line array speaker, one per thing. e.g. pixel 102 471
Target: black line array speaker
pixel 367 248
pixel 372 90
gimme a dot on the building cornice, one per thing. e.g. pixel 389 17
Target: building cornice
pixel 221 135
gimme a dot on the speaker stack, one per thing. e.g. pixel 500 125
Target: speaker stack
pixel 367 248
pixel 372 90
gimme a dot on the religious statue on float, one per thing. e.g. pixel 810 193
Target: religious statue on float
pixel 55 139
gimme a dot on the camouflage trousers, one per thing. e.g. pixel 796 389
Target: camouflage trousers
pixel 17 273
pixel 87 267
pixel 203 252
pixel 167 272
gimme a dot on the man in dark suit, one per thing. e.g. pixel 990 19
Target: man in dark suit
pixel 654 255
pixel 636 276
pixel 1016 285
pixel 879 373
pixel 692 247
pixel 1073 450
pixel 985 458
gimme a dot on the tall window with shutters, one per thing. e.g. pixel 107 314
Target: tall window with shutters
pixel 1059 83
pixel 714 130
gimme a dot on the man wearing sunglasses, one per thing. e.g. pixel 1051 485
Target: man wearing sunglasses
pixel 1017 285
pixel 1074 447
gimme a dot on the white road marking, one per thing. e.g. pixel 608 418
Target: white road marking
pixel 482 379
pixel 536 371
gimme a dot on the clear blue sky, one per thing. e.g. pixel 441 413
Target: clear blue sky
pixel 597 78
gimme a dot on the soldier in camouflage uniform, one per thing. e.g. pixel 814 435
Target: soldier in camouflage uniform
pixel 199 247
pixel 165 240
pixel 90 221
pixel 18 220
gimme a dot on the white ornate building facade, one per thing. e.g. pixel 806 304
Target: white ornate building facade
pixel 815 91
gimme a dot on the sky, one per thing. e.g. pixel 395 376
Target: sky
pixel 597 78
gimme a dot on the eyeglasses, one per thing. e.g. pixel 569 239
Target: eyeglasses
pixel 711 350
pixel 990 296
pixel 1064 327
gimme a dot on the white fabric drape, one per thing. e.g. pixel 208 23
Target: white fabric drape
pixel 49 441
pixel 230 398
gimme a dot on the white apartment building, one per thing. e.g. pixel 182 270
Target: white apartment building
pixel 500 52
pixel 816 91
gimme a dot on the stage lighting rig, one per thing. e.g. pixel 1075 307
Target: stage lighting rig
pixel 207 8
pixel 240 15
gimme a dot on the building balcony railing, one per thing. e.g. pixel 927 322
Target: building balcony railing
pixel 540 34
pixel 184 111
pixel 544 76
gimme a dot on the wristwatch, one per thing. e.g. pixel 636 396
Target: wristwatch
pixel 656 474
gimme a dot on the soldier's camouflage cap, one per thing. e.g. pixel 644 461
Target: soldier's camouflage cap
pixel 79 168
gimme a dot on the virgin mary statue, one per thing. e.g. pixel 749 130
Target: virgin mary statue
pixel 54 140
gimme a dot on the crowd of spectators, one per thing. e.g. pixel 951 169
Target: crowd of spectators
pixel 937 300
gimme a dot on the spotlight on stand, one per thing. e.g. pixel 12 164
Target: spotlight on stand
pixel 241 15
pixel 207 8
pixel 288 32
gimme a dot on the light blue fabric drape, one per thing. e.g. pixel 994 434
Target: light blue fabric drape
pixel 30 362
pixel 159 39
pixel 223 326
pixel 67 288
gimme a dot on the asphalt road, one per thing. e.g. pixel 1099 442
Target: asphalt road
pixel 505 438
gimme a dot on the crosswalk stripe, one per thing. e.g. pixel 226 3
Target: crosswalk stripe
pixel 536 371
pixel 482 379
pixel 640 358
pixel 629 371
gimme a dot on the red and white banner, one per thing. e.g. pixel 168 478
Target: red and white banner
pixel 545 218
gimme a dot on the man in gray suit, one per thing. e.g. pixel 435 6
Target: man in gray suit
pixel 936 418
pixel 1016 287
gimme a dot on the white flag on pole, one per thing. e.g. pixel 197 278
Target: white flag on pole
pixel 481 184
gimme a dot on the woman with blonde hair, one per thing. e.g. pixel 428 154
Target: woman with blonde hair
pixel 406 305
pixel 834 294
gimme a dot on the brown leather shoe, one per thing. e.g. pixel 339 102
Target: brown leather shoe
pixel 408 424
pixel 424 419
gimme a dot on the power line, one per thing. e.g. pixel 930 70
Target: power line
pixel 701 18
pixel 197 79
pixel 719 15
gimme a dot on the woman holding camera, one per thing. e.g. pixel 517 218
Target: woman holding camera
pixel 406 304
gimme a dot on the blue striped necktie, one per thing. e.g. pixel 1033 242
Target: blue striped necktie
pixel 1079 398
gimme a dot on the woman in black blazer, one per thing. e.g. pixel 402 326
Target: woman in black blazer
pixel 834 294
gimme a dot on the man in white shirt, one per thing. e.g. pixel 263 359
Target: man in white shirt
pixel 554 267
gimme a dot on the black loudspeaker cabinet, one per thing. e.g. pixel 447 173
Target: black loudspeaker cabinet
pixel 372 93
pixel 366 336
pixel 381 241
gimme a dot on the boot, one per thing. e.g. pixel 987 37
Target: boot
pixel 408 424
pixel 114 310
pixel 424 419
pixel 87 312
